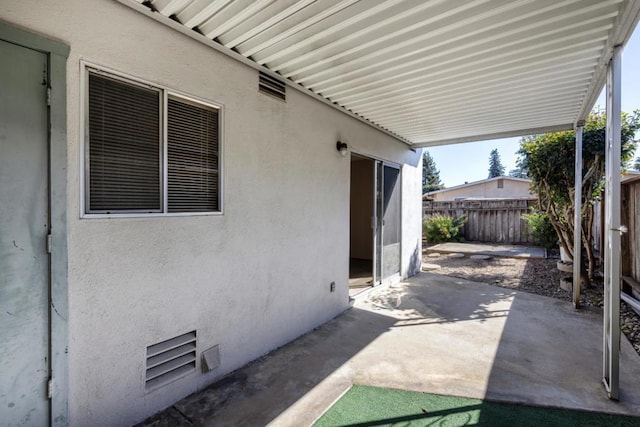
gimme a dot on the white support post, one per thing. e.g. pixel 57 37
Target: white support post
pixel 577 217
pixel 611 333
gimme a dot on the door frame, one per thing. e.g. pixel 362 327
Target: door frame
pixel 377 226
pixel 395 278
pixel 57 54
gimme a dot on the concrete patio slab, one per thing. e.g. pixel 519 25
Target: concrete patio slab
pixel 431 333
pixel 455 255
pixel 426 266
pixel 491 249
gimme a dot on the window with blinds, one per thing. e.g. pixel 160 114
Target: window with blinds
pixel 128 151
pixel 192 153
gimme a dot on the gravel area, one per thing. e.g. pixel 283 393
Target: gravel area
pixel 538 276
pixel 630 325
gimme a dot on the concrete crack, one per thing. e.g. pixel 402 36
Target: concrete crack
pixel 187 419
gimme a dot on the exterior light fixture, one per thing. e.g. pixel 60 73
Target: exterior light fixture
pixel 342 147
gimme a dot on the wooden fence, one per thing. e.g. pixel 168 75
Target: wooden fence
pixel 489 221
pixel 630 217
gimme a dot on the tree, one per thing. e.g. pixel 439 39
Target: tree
pixel 495 165
pixel 430 174
pixel 550 159
pixel 636 164
pixel 519 172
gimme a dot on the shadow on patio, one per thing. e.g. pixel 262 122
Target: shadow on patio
pixel 434 334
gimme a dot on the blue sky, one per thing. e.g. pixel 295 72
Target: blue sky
pixel 470 162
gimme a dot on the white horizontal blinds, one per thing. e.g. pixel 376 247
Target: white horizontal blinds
pixel 124 146
pixel 192 157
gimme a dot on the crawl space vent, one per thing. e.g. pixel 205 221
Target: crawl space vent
pixel 272 86
pixel 169 360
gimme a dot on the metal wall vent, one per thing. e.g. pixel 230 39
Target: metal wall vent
pixel 272 86
pixel 171 359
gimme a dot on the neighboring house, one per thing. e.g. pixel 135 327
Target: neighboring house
pixel 222 238
pixel 502 187
pixel 629 176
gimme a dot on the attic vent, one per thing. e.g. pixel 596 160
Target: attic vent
pixel 272 86
pixel 169 360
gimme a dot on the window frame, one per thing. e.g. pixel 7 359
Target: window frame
pixel 165 92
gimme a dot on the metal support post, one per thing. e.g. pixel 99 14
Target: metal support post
pixel 577 218
pixel 611 333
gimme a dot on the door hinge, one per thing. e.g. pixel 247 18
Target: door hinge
pixel 48 243
pixel 49 97
pixel 50 388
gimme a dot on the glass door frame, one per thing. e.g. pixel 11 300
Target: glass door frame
pixel 377 222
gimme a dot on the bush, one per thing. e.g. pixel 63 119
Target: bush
pixel 440 228
pixel 541 229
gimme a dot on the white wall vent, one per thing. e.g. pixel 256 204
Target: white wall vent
pixel 272 86
pixel 171 359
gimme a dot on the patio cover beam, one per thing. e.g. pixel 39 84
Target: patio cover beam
pixel 577 219
pixel 498 135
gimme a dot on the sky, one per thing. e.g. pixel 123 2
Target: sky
pixel 448 157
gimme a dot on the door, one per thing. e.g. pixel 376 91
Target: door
pixel 377 222
pixel 390 221
pixel 24 226
pixel 387 222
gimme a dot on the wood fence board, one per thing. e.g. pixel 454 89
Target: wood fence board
pixel 630 217
pixel 495 221
pixel 632 238
pixel 625 218
pixel 486 229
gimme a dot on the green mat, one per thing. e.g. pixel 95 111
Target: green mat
pixel 364 406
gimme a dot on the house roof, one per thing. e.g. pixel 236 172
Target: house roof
pixel 629 176
pixel 429 72
pixel 474 183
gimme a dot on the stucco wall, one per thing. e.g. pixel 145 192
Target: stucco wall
pixel 249 280
pixel 487 190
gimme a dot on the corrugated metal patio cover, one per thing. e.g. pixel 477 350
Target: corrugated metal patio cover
pixel 429 71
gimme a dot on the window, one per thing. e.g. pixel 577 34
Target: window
pixel 149 150
pixel 501 183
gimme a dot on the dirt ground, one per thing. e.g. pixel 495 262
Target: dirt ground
pixel 538 276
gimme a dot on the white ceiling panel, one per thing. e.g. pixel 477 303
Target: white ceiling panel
pixel 427 71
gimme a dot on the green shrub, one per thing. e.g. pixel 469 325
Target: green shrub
pixel 440 228
pixel 541 229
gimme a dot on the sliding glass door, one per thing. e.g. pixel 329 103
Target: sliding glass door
pixel 386 222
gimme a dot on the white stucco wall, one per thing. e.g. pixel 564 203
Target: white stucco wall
pixel 249 280
pixel 412 217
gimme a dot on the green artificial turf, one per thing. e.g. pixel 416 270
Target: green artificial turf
pixel 364 406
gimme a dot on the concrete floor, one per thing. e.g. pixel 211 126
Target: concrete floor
pixel 491 249
pixel 434 334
